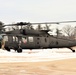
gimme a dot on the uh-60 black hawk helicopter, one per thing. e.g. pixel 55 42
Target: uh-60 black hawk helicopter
pixel 19 39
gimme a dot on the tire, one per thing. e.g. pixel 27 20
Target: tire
pixel 73 51
pixel 8 49
pixel 19 50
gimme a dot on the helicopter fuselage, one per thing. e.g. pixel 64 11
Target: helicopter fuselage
pixel 25 37
pixel 36 42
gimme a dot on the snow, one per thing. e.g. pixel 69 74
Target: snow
pixel 36 55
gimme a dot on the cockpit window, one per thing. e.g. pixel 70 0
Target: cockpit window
pixel 6 38
pixel 13 38
pixel 1 37
pixel 30 39
pixel 24 39
pixel 16 39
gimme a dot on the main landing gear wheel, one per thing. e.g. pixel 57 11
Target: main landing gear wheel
pixel 19 50
pixel 8 49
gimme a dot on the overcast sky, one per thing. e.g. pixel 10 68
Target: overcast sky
pixel 37 10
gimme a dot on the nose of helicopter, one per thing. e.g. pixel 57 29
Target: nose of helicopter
pixel 0 40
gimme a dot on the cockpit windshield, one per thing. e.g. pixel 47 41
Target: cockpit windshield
pixel 1 37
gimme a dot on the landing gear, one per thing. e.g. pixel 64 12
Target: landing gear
pixel 72 50
pixel 8 49
pixel 19 50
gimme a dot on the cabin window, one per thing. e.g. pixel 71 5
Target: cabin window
pixel 24 39
pixel 13 38
pixel 6 38
pixel 30 39
pixel 16 39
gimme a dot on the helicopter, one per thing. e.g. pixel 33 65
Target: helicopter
pixel 19 39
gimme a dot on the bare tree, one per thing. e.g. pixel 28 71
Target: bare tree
pixel 74 34
pixel 31 27
pixel 39 27
pixel 9 28
pixel 68 30
pixel 47 27
pixel 15 27
pixel 58 32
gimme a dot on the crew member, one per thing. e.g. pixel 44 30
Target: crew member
pixel 2 42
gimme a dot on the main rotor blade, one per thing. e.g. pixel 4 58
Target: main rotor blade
pixel 27 23
pixel 55 22
pixel 18 24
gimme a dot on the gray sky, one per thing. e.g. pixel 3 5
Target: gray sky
pixel 37 10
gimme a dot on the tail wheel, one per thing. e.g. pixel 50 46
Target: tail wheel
pixel 19 50
pixel 73 50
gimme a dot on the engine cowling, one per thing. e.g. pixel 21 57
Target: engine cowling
pixel 33 32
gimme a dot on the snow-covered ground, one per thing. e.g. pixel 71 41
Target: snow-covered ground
pixel 36 55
